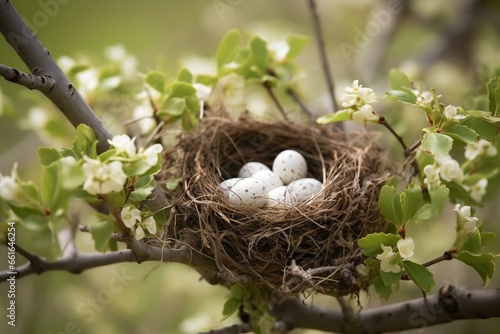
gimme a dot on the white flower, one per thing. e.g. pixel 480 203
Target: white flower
pixel 357 96
pixel 365 114
pixel 143 113
pixel 406 247
pixel 367 95
pixel 103 178
pixel 202 91
pixel 130 216
pixel 465 221
pixel 450 113
pixel 123 143
pixel 432 176
pixel 38 117
pixel 9 189
pixel 478 190
pixel 424 99
pixel 482 147
pixel 388 260
pixel 278 50
pixel 449 169
pixel 88 81
pixel 150 155
pixel 148 224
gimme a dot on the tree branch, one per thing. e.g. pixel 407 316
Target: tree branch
pixel 452 303
pixel 139 252
pixel 234 329
pixel 39 61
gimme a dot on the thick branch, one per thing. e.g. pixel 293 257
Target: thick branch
pixel 62 93
pixel 82 261
pixel 452 303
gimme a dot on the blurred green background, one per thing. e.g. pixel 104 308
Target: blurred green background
pixel 432 40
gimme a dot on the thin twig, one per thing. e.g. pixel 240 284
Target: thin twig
pixel 43 83
pixel 447 256
pixel 413 147
pixel 383 121
pixel 234 329
pixel 301 103
pixel 322 53
pixel 269 90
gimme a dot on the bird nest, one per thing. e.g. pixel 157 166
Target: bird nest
pixel 310 245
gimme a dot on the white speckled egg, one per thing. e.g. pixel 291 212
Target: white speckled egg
pixel 290 165
pixel 250 168
pixel 279 197
pixel 248 192
pixel 303 189
pixel 226 185
pixel 268 179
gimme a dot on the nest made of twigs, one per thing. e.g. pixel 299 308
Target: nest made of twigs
pixel 288 249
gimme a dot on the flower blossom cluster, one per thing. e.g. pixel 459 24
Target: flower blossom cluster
pixel 131 217
pixel 358 99
pixel 109 176
pixel 390 260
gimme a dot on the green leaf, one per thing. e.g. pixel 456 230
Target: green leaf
pixel 143 188
pixel 238 291
pixel 181 89
pixel 189 121
pixel 462 133
pixel 50 186
pixel 436 144
pixel 484 128
pixel 419 274
pixel 390 205
pixel 383 290
pixel 157 80
pixel 184 75
pixel 371 244
pixel 229 48
pixel 398 80
pixel 414 207
pixel 101 233
pixel 493 89
pixel 205 79
pixel 402 96
pixel 173 107
pixel 487 237
pixel 439 197
pixel 173 184
pixel 296 44
pixel 390 278
pixel 339 116
pixel 48 155
pixel 482 263
pixel 84 142
pixel 258 47
pixel 230 307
